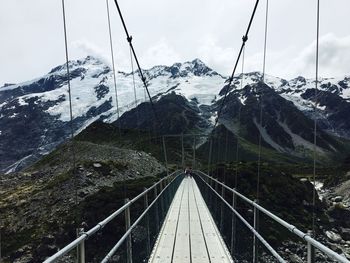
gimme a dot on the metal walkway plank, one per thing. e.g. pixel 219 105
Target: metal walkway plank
pixel 182 249
pixel 189 233
pixel 198 242
pixel 162 251
pixel 218 251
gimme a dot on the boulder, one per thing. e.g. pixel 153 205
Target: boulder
pixel 333 236
pixel 97 165
pixel 295 258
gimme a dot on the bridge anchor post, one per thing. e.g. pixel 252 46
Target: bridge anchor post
pixel 128 241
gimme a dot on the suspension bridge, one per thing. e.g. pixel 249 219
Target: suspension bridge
pixel 191 217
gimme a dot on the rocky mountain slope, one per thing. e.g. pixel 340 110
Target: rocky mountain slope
pixel 38 207
pixel 187 95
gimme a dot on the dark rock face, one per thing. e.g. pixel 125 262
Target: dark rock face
pixel 337 110
pixel 283 126
pixel 175 115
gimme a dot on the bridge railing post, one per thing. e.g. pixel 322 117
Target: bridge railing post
pixel 165 156
pixel 148 240
pixel 255 241
pixel 194 153
pixel 310 250
pixel 222 208
pixel 128 241
pixel 161 187
pixel 182 151
pixel 216 198
pixel 81 247
pixel 156 208
pixel 210 154
pixel 233 222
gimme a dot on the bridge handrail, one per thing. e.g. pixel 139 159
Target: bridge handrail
pixel 256 233
pixel 104 222
pixel 290 227
pixel 128 232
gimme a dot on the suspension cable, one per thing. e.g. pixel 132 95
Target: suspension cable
pixel 315 117
pixel 244 40
pixel 70 110
pixel 230 80
pixel 113 64
pixel 239 123
pixel 261 104
pixel 129 39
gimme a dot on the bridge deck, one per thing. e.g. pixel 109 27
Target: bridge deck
pixel 189 233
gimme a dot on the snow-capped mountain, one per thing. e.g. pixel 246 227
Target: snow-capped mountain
pixel 34 115
pixel 333 103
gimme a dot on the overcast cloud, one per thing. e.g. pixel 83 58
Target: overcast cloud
pixel 166 31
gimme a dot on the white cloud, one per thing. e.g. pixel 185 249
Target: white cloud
pixel 159 54
pixel 88 48
pixel 219 58
pixel 334 57
pixel 173 31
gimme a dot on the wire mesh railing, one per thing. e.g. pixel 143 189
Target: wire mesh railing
pixel 238 219
pixel 141 231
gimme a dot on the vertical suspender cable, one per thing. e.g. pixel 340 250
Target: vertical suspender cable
pixel 115 81
pixel 315 116
pixel 239 123
pixel 210 153
pixel 261 97
pixel 261 102
pixel 113 64
pixel 70 108
pixel 134 85
pixel 225 156
pixel 265 40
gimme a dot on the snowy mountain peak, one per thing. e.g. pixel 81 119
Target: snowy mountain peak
pixel 87 62
pixel 180 70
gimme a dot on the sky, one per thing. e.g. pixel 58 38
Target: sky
pixel 166 32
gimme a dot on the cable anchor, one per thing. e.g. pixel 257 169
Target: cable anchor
pixel 129 39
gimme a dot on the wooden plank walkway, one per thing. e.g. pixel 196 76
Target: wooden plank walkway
pixel 189 233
